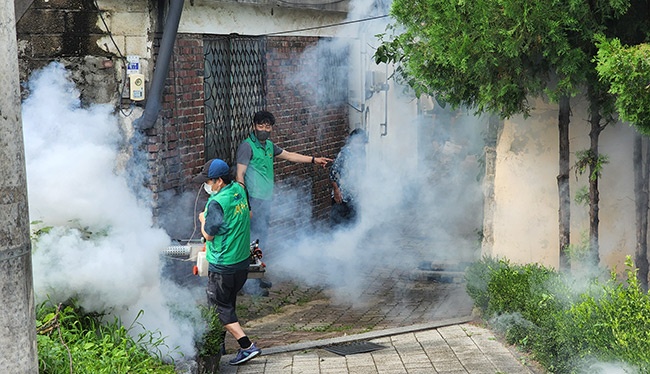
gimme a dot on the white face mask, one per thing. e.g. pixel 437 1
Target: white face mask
pixel 208 189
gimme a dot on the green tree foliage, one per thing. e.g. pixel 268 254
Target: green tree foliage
pixel 627 70
pixel 495 54
pixel 490 55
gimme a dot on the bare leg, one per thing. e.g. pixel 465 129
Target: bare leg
pixel 235 330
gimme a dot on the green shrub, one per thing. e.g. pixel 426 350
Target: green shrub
pixel 535 308
pixel 534 291
pixel 70 340
pixel 478 276
pixel 612 322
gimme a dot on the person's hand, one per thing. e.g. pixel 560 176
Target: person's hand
pixel 322 161
pixel 337 196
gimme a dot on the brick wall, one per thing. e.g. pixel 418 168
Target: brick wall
pixel 176 143
pixel 302 126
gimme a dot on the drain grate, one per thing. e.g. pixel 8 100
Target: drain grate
pixel 352 348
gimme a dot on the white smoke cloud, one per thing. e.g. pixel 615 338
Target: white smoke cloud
pixel 610 368
pixel 103 248
pixel 421 198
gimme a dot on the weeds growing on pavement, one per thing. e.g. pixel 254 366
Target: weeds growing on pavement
pixel 567 331
pixel 212 339
pixel 72 341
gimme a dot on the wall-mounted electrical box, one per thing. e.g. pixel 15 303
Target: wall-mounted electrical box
pixel 136 87
pixel 132 64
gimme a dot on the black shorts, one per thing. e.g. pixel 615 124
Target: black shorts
pixel 222 292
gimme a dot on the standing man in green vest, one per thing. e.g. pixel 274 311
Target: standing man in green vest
pixel 225 225
pixel 255 169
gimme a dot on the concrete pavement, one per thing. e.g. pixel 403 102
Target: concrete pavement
pixel 426 326
pixel 453 347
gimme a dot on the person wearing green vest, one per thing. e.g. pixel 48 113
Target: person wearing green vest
pixel 225 225
pixel 255 169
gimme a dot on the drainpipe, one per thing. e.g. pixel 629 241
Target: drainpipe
pixel 384 126
pixel 152 108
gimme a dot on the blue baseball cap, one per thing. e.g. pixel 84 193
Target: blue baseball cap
pixel 213 169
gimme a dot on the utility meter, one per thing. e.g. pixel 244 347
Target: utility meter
pixel 136 87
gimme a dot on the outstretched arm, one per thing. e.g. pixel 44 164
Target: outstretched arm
pixel 241 171
pixel 297 157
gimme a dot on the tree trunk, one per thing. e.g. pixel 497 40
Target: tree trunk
pixel 594 198
pixel 17 319
pixel 489 204
pixel 564 191
pixel 641 172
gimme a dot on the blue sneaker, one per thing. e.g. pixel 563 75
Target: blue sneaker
pixel 244 355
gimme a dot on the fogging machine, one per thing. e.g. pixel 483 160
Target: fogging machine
pixel 196 253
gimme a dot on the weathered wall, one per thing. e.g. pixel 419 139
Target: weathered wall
pixel 211 17
pixel 67 31
pixel 525 209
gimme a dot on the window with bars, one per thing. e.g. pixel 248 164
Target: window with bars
pixel 235 88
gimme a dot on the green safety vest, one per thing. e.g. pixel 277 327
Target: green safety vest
pixel 232 243
pixel 259 173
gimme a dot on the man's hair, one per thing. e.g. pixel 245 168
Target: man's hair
pixel 227 179
pixel 264 117
pixel 231 176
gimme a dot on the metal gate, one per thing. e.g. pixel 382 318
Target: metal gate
pixel 235 88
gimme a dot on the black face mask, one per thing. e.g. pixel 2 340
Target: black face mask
pixel 262 135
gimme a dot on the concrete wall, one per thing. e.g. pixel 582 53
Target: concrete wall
pixel 525 217
pixel 256 19
pixel 128 28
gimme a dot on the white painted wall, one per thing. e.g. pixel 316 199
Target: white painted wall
pixel 254 19
pixel 526 213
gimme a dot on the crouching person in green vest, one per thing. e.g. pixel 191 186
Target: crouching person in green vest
pixel 225 225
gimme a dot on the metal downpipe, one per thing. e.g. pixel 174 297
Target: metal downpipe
pixel 153 106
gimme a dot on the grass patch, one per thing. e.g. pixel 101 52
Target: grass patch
pixel 73 341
